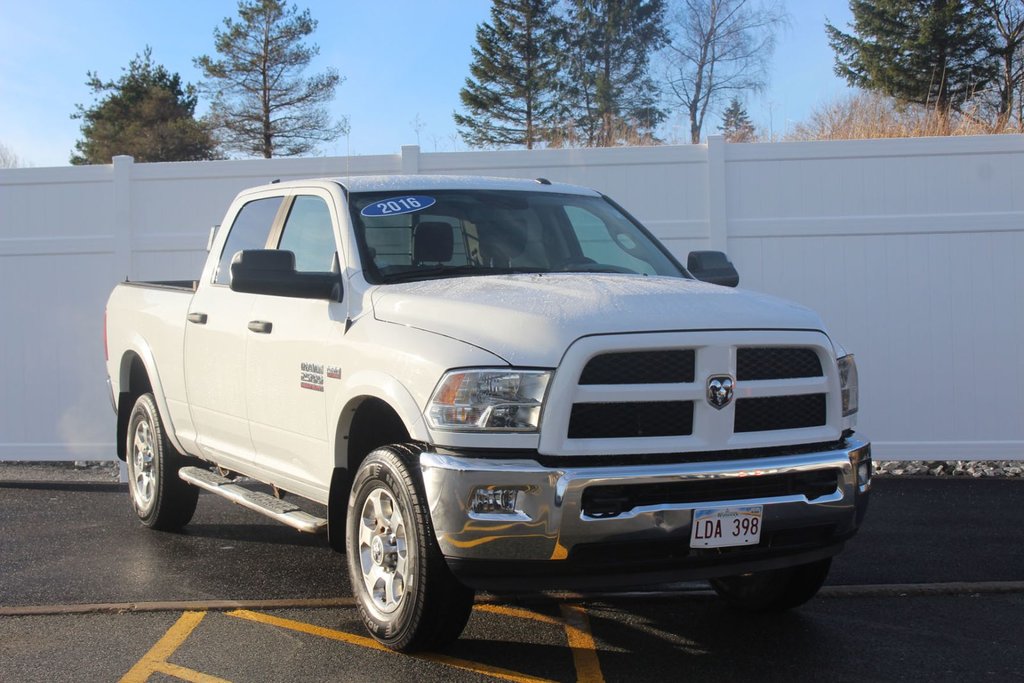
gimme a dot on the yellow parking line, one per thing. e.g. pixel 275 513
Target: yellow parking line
pixel 156 659
pixel 581 642
pixel 190 675
pixel 486 669
pixel 363 641
pixel 518 613
pixel 302 627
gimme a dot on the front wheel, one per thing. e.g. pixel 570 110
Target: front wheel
pixel 406 595
pixel 775 590
pixel 160 498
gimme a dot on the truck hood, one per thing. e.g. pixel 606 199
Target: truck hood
pixel 530 320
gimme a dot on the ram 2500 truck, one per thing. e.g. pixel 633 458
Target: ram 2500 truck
pixel 489 384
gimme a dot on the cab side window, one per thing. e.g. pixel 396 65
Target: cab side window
pixel 308 233
pixel 249 231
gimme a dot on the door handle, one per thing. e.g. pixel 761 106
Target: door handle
pixel 260 326
pixel 197 318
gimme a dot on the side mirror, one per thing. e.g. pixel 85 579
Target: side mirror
pixel 713 267
pixel 272 272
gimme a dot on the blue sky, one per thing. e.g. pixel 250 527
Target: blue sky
pixel 403 62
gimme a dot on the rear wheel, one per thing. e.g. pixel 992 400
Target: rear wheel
pixel 406 595
pixel 773 591
pixel 160 498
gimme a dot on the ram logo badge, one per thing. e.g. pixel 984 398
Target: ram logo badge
pixel 720 389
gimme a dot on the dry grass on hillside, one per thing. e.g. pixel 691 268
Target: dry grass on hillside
pixel 867 115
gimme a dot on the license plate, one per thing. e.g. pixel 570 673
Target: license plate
pixel 728 526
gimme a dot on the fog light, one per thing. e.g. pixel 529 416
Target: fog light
pixel 494 500
pixel 860 459
pixel 864 474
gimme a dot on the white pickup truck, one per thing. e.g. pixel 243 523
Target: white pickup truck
pixel 489 384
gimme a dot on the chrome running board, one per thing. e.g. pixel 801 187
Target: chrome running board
pixel 275 508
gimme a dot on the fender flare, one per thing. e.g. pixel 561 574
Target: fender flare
pixel 140 347
pixel 375 384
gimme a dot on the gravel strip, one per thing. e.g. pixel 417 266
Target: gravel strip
pixel 950 468
pixel 101 471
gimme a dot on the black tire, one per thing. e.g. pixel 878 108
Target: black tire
pixel 160 499
pixel 406 595
pixel 776 590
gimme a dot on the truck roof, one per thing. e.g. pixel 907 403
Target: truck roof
pixel 408 183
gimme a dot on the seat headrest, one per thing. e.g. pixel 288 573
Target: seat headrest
pixel 432 242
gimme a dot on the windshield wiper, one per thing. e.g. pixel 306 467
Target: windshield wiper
pixel 596 268
pixel 453 271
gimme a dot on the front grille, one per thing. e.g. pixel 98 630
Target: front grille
pixel 640 367
pixel 624 420
pixel 779 412
pixel 608 501
pixel 776 362
pixel 638 395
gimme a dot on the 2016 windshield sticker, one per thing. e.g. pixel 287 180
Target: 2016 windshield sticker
pixel 395 206
pixel 312 377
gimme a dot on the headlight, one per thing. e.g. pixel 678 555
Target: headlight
pixel 849 384
pixel 488 400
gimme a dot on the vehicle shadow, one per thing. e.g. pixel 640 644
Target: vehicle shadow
pixel 699 637
pixel 273 534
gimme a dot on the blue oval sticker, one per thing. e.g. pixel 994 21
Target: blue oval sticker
pixel 394 206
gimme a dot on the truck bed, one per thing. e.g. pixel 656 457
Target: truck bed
pixel 148 319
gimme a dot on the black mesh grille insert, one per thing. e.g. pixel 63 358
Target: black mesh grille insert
pixel 775 362
pixel 640 367
pixel 608 501
pixel 779 412
pixel 623 420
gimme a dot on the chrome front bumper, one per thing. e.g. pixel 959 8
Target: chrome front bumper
pixel 549 521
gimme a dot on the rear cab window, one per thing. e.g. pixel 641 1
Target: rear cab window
pixel 309 234
pixel 250 230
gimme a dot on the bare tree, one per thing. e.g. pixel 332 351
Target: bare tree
pixel 719 49
pixel 1007 18
pixel 8 159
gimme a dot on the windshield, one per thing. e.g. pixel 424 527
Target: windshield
pixel 455 233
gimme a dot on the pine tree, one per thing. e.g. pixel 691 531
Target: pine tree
pixel 509 97
pixel 147 113
pixel 736 125
pixel 608 47
pixel 262 103
pixel 930 52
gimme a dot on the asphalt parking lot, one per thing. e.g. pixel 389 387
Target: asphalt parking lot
pixel 931 589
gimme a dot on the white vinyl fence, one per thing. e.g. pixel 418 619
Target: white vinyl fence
pixel 911 250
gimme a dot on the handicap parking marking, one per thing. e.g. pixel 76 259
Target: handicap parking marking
pixel 364 641
pixel 574 622
pixel 155 661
